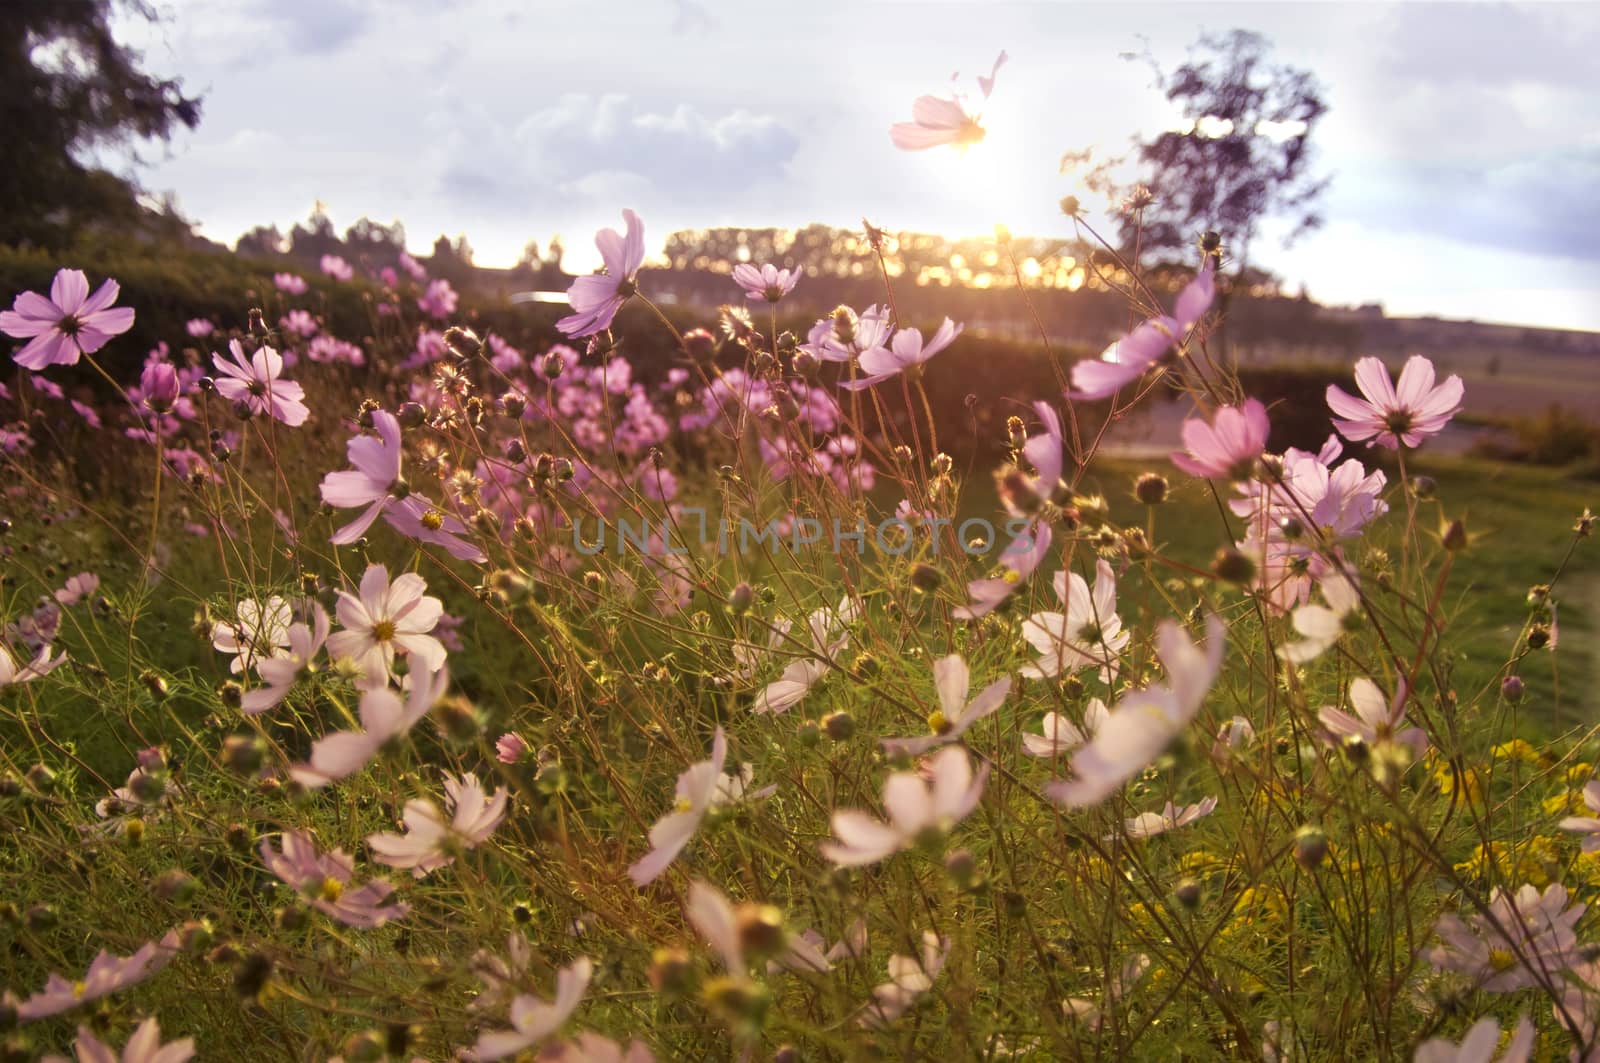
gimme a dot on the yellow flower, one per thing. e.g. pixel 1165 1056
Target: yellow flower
pixel 1531 862
pixel 1517 749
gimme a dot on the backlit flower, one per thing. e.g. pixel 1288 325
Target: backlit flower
pixel 767 282
pixel 1227 448
pixel 69 324
pixel 1529 942
pixel 1480 1044
pixel 596 298
pixel 937 120
pixel 534 1019
pixel 384 719
pixel 144 1046
pixel 257 382
pixel 1060 735
pixel 1089 632
pixel 260 631
pixel 1127 359
pixel 906 351
pixel 909 978
pixel 1390 414
pixel 107 973
pixel 915 806
pixel 386 619
pixel 1377 718
pixel 951 679
pixel 1149 824
pixel 1588 826
pixel 431 836
pixel 323 879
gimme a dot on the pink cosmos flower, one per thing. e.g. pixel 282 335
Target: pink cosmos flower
pixel 1227 448
pixel 843 335
pixel 324 879
pixel 41 665
pixel 1480 1044
pixel 701 787
pixel 1149 824
pixel 1127 359
pixel 951 680
pixel 289 283
pixel 1019 561
pixel 439 300
pixel 257 383
pixel 939 120
pixel 1088 633
pixel 1529 942
pixel 1376 720
pixel 107 974
pixel 143 1047
pixel 376 483
pixel 534 1019
pixel 1588 826
pixel 909 978
pixel 906 353
pixel 1145 722
pixel 159 387
pixel 590 1047
pixel 914 806
pixel 77 588
pixel 69 324
pixel 289 661
pixel 431 839
pixel 712 914
pixel 299 322
pixel 510 748
pixel 199 327
pixel 597 298
pixel 386 619
pixel 1060 735
pixel 384 719
pixel 768 282
pixel 1392 414
pixel 337 268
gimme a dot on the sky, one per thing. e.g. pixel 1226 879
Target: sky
pixel 1463 140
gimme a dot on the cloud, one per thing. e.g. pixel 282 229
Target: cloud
pixel 586 145
pixel 314 27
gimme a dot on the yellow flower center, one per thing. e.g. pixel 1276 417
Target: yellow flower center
pixel 79 989
pixel 383 630
pixel 331 890
pixel 1501 960
pixel 937 722
pixel 682 804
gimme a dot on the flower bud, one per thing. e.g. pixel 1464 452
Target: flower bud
pixel 1455 536
pixel 250 978
pixel 699 345
pixel 1232 566
pixel 839 726
pixel 176 886
pixel 243 753
pixel 1187 892
pixel 513 405
pixel 159 382
pixel 670 970
pixel 760 928
pixel 365 1047
pixel 462 342
pixel 1310 847
pixel 41 778
pixel 740 599
pixel 1424 488
pixel 1070 206
pixel 196 935
pixel 258 323
pixel 925 578
pixel 1511 688
pixel 962 867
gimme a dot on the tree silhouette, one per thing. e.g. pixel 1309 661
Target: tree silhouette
pixel 67 86
pixel 1241 154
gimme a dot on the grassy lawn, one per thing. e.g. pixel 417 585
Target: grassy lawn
pixel 1520 520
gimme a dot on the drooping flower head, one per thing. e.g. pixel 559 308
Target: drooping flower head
pixel 1127 359
pixel 69 324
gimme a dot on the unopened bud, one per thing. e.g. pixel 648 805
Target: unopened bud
pixel 699 345
pixel 925 578
pixel 839 726
pixel 1232 566
pixel 1310 847
pixel 1455 536
pixel 257 323
pixel 1511 688
pixel 740 599
pixel 670 970
pixel 243 753
pixel 760 928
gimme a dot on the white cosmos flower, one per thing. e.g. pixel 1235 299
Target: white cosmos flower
pixel 1145 722
pixel 431 836
pixel 952 679
pixel 1061 735
pixel 914 806
pixel 385 619
pixel 534 1019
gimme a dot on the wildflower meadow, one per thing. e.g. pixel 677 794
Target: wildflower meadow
pixel 638 683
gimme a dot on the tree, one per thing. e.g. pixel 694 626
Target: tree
pixel 1241 154
pixel 67 86
pixel 374 242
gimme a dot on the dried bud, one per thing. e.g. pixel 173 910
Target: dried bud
pixel 462 342
pixel 41 778
pixel 176 886
pixel 251 976
pixel 1070 206
pixel 1232 566
pixel 942 464
pixel 700 345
